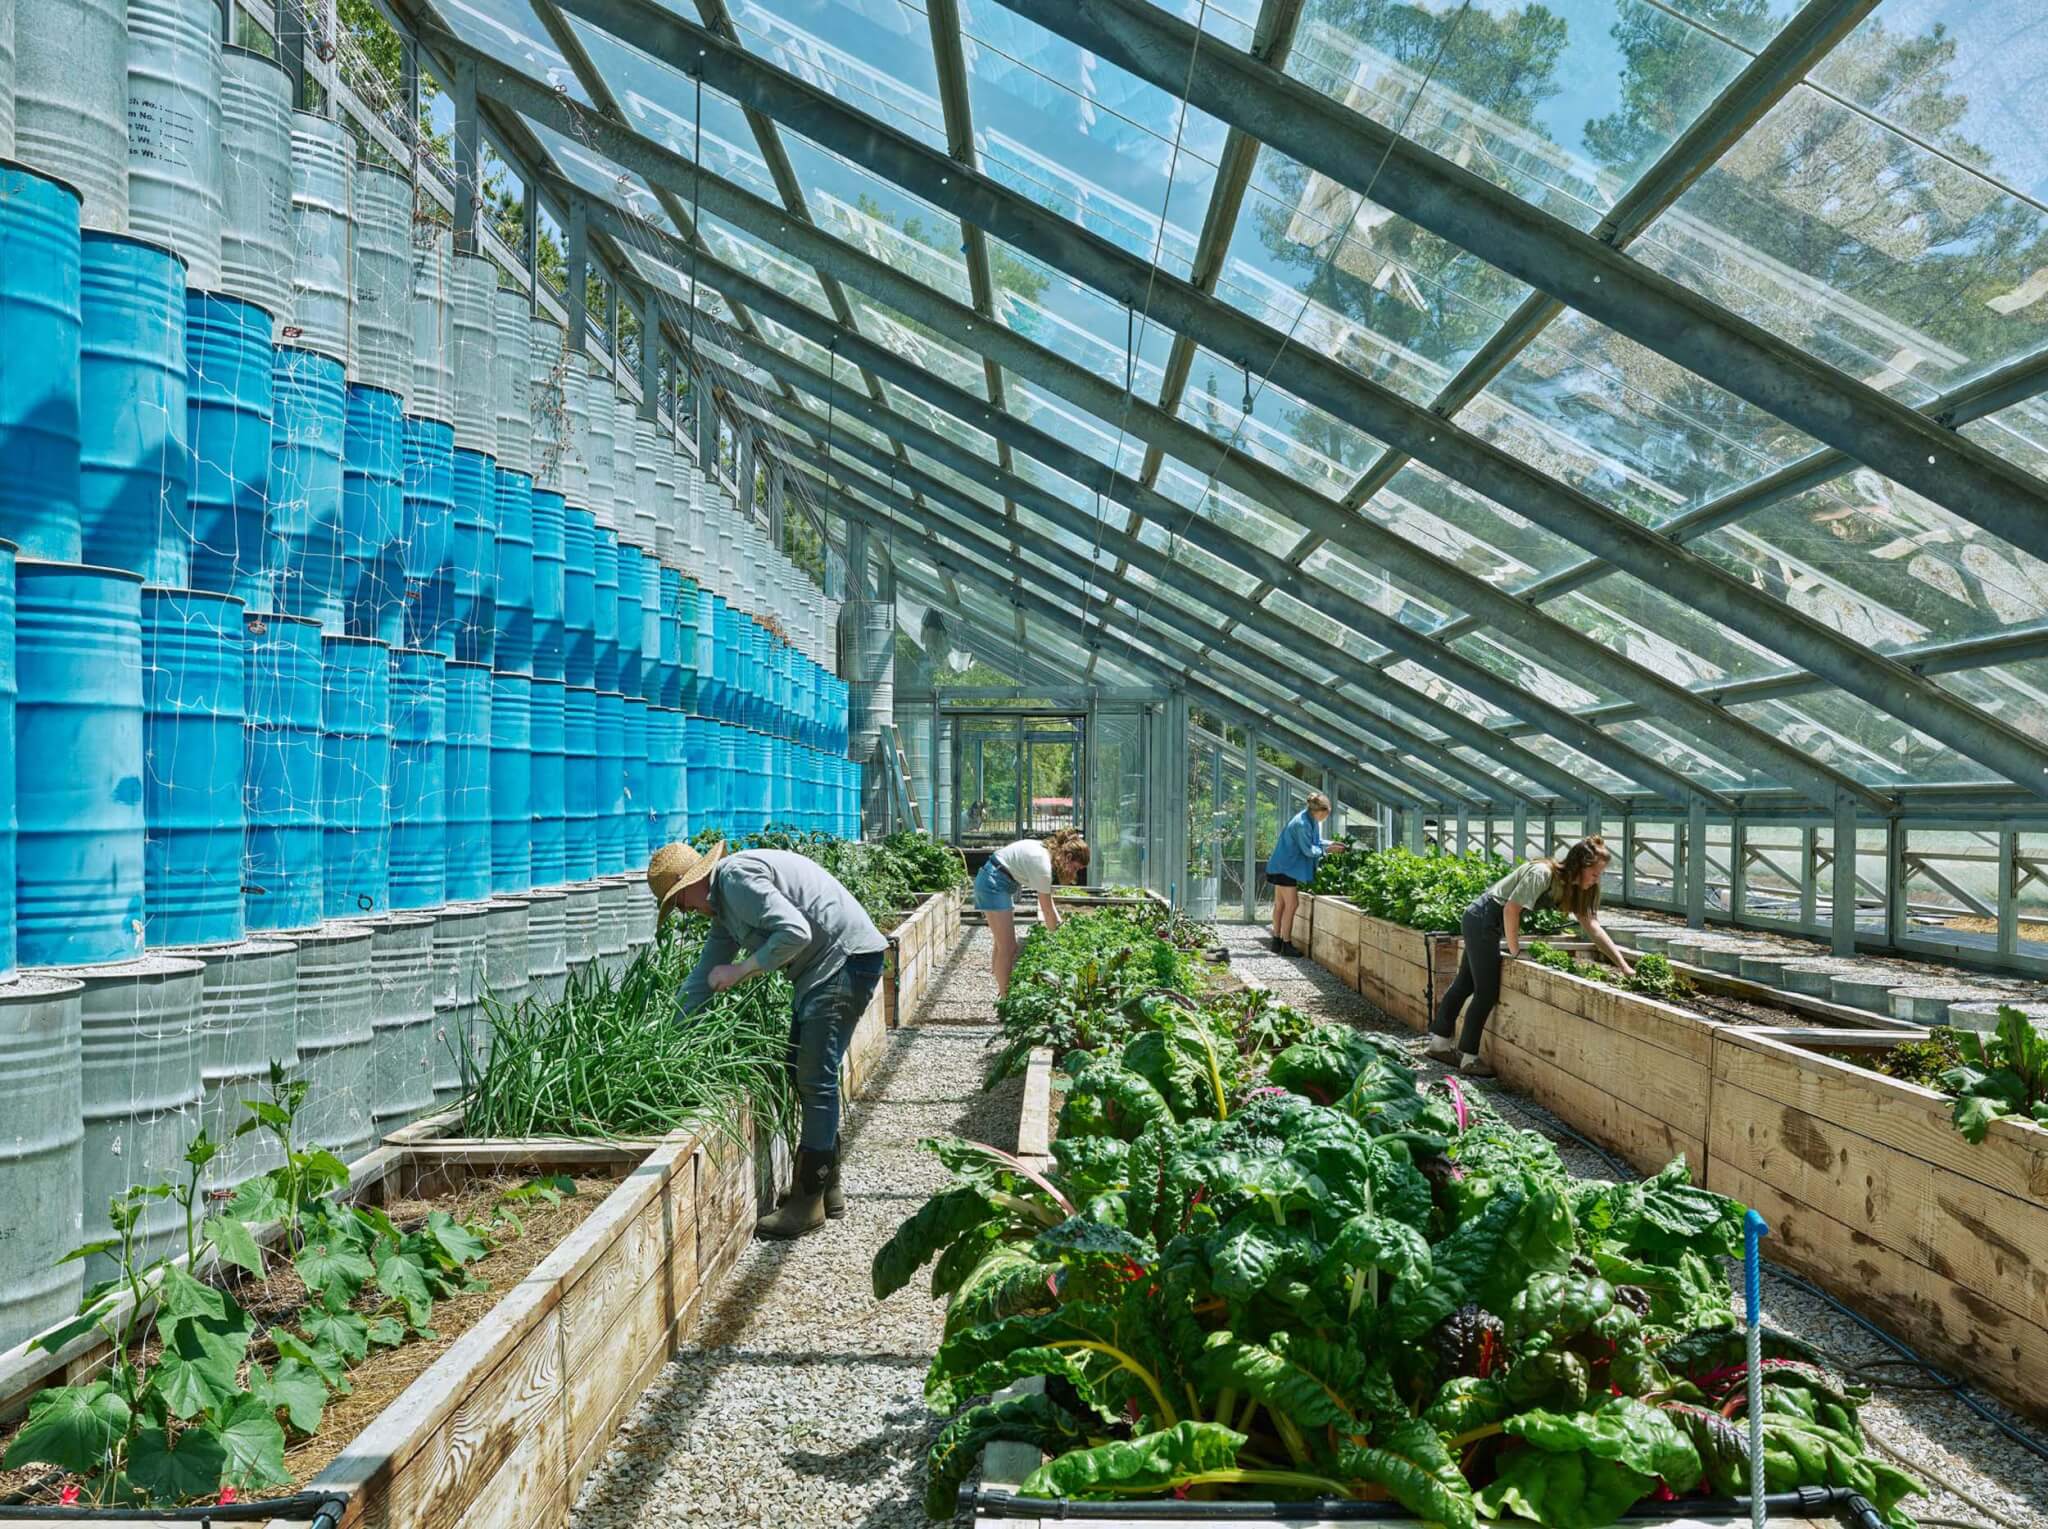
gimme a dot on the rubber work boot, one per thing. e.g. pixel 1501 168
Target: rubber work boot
pixel 835 1197
pixel 1442 1048
pixel 804 1211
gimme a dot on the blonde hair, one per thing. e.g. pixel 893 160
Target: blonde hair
pixel 1069 851
pixel 1564 876
pixel 1317 799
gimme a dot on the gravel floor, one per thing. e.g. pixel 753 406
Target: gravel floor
pixel 1988 1479
pixel 802 1403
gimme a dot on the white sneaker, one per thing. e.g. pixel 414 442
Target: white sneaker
pixel 1442 1049
pixel 1472 1067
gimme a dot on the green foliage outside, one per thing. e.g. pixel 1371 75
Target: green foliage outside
pixel 1314 1278
pixel 1421 891
pixel 199 1397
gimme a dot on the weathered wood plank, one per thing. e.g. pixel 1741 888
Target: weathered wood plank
pixel 1642 1139
pixel 1034 1121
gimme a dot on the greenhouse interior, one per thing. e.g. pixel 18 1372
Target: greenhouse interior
pixel 685 841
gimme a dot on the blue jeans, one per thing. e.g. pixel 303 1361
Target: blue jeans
pixel 995 889
pixel 819 1029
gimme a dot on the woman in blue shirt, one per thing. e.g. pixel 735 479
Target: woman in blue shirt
pixel 1292 865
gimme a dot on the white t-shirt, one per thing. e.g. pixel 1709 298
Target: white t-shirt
pixel 1029 863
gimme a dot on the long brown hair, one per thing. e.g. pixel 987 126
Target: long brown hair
pixel 1574 899
pixel 1069 851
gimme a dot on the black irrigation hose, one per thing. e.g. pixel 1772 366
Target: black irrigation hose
pixel 992 1503
pixel 320 1510
pixel 1959 1389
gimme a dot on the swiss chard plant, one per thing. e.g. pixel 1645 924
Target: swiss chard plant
pixel 196 1396
pixel 1420 891
pixel 1653 976
pixel 2003 1074
pixel 1337 1284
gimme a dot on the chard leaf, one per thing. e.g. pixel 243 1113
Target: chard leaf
pixel 1286 1388
pixel 938 1222
pixel 1153 1462
pixel 1465 1402
pixel 1568 1491
pixel 953 1456
pixel 1411 1462
pixel 988 1379
pixel 1625 1430
pixel 1090 1164
pixel 1008 1281
pixel 1723 1447
pixel 1106 1098
pixel 1251 1255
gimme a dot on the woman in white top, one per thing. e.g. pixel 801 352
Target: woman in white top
pixel 1032 865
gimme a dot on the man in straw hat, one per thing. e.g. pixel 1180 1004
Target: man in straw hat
pixel 790 915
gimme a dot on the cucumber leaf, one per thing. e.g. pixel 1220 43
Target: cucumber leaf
pixel 71 1427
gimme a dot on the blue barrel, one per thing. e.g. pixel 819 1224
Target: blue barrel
pixel 78 720
pixel 639 799
pixel 302 543
pixel 611 783
pixel 281 851
pixel 684 626
pixel 723 695
pixel 228 362
pixel 355 777
pixel 514 584
pixel 725 794
pixel 760 779
pixel 194 706
pixel 705 645
pixel 419 778
pixel 473 616
pixel 651 624
pixel 511 783
pixel 549 532
pixel 7 692
pixel 39 337
pixel 134 456
pixel 579 597
pixel 668 674
pixel 468 797
pixel 373 513
pixel 550 783
pixel 579 781
pixel 668 785
pixel 700 767
pixel 604 563
pixel 746 663
pixel 781 785
pixel 427 532
pixel 631 563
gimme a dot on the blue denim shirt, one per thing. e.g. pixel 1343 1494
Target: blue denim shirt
pixel 1300 847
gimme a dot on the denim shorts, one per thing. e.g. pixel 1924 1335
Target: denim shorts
pixel 995 889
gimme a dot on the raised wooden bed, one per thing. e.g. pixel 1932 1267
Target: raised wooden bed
pixel 1633 1074
pixel 918 948
pixel 1870 1190
pixel 1333 939
pixel 1401 970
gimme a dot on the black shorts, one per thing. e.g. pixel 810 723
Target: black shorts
pixel 1275 879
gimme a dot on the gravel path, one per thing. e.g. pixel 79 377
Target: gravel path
pixel 1975 1474
pixel 802 1401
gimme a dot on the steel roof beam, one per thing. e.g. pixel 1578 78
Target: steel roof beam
pixel 1026 599
pixel 1158 566
pixel 1312 377
pixel 1574 649
pixel 1084 572
pixel 1580 270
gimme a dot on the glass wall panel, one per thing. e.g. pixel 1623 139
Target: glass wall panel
pixel 1117 777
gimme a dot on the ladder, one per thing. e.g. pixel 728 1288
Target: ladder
pixel 901 787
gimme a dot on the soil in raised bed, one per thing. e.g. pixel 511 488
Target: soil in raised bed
pixel 380 1378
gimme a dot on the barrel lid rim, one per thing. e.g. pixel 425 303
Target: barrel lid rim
pixel 405 918
pixel 253 946
pixel 371 387
pixel 340 639
pixel 547 679
pixel 201 595
pixel 148 964
pixel 308 353
pixel 270 616
pixel 30 564
pixel 36 172
pixel 108 236
pixel 466 663
pixel 213 295
pixel 315 114
pixel 38 986
pixel 327 932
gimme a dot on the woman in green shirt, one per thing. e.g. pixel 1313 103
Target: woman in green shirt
pixel 1572 884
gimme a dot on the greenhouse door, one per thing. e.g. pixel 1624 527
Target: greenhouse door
pixel 1017 776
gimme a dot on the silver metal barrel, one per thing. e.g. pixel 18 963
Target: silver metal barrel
pixel 474 327
pixel 546 374
pixel 614 923
pixel 506 983
pixel 71 101
pixel 248 1019
pixel 645 526
pixel 139 1090
pixel 402 1019
pixel 625 469
pixel 547 945
pixel 640 911
pixel 256 247
pixel 42 1162
pixel 433 340
pixel 337 1039
pixel 459 935
pixel 601 404
pixel 511 379
pixel 381 327
pixel 323 178
pixel 580 926
pixel 174 131
pixel 576 431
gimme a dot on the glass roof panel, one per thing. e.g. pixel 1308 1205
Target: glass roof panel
pixel 914 342
pixel 835 47
pixel 1364 584
pixel 1474 533
pixel 1681 753
pixel 1536 679
pixel 508 29
pixel 1596 772
pixel 1315 624
pixel 1224 506
pixel 1198 562
pixel 1563 104
pixel 1861 741
pixel 2016 693
pixel 1895 262
pixel 939 422
pixel 2019 433
pixel 766 265
pixel 1076 427
pixel 1661 633
pixel 1309 445
pixel 1077 322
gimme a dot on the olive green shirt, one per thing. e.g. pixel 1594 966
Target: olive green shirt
pixel 789 913
pixel 1530 885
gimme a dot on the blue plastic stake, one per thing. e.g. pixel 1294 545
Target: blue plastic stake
pixel 1753 1233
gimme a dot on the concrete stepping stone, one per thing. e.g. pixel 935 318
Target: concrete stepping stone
pixel 1928 1004
pixel 1868 990
pixel 1814 976
pixel 1984 1016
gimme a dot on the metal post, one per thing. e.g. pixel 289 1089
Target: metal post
pixel 650 357
pixel 409 93
pixel 1696 863
pixel 775 509
pixel 2008 893
pixel 468 138
pixel 1413 813
pixel 1894 881
pixel 1251 821
pixel 743 470
pixel 1628 858
pixel 1738 868
pixel 1519 850
pixel 1464 829
pixel 1843 909
pixel 1809 890
pixel 291 46
pixel 577 271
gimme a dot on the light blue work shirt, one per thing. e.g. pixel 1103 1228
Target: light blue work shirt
pixel 1301 846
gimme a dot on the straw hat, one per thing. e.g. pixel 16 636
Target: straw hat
pixel 676 866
